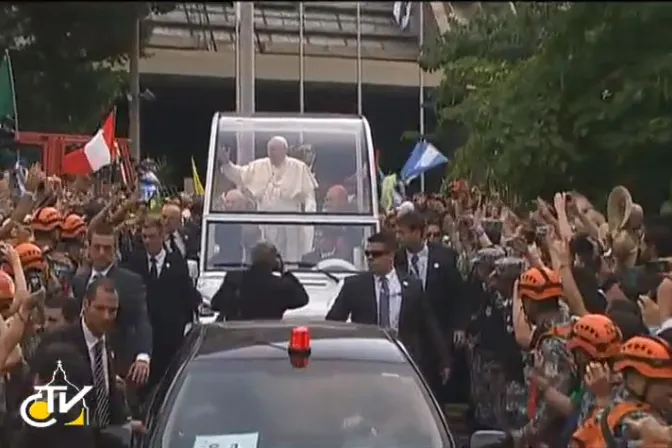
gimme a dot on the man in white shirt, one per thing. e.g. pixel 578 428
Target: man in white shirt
pixel 392 299
pixel 131 337
pixel 281 184
pixel 90 337
pixel 171 298
pixel 176 240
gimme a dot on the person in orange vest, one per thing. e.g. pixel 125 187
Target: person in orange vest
pixel 645 362
pixel 594 338
pixel 540 291
pixel 594 341
pixel 46 225
pixel 69 254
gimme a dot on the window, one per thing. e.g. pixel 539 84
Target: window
pixel 328 404
pixel 229 245
pixel 336 179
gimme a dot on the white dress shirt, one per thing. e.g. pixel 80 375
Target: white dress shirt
pixel 160 260
pixel 423 263
pixel 91 341
pixel 98 274
pixel 179 242
pixel 394 287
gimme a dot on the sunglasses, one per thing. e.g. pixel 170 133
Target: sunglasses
pixel 433 234
pixel 374 253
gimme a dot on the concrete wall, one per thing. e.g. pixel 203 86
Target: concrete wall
pixel 274 67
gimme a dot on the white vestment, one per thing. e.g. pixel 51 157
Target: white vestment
pixel 283 188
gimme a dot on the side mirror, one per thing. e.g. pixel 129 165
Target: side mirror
pixel 192 267
pixel 486 438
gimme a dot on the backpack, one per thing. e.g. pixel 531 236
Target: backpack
pixel 598 430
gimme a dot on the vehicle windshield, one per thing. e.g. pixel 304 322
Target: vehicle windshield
pixel 330 247
pixel 329 404
pixel 292 166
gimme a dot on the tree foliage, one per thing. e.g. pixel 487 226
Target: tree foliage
pixel 560 96
pixel 67 58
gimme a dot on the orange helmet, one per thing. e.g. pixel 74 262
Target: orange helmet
pixel 597 335
pixel 540 284
pixel 31 256
pixel 7 288
pixel 650 356
pixel 46 219
pixel 73 227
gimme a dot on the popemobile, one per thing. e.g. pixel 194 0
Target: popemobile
pixel 305 183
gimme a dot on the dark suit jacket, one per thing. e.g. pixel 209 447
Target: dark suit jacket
pixel 132 333
pixel 418 329
pixel 172 300
pixel 73 334
pixel 258 294
pixel 444 287
pixel 191 234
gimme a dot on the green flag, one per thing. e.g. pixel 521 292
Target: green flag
pixel 7 94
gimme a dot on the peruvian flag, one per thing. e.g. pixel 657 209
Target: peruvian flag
pixel 100 151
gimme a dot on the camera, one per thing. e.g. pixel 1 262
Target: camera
pixel 279 264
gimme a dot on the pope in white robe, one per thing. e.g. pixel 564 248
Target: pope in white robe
pixel 278 183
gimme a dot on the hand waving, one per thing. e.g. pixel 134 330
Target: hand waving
pixel 597 379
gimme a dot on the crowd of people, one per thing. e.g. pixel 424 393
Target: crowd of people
pixel 94 291
pixel 556 317
pixel 560 316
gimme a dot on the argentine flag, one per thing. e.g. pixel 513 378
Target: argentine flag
pixel 149 186
pixel 423 158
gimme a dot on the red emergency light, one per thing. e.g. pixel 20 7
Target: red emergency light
pixel 299 347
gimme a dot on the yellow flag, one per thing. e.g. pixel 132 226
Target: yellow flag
pixel 198 185
pixel 387 192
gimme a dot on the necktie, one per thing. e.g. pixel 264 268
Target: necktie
pixel 414 266
pixel 384 303
pixel 153 269
pixel 94 277
pixel 173 243
pixel 102 410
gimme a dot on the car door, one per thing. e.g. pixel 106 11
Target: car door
pixel 153 403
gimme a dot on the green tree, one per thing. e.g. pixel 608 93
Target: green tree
pixel 67 58
pixel 584 104
pixel 476 56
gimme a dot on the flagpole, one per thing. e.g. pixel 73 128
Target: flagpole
pixel 359 59
pixel 237 57
pixel 246 83
pixel 302 65
pixel 302 68
pixel 421 81
pixel 11 83
pixel 134 106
